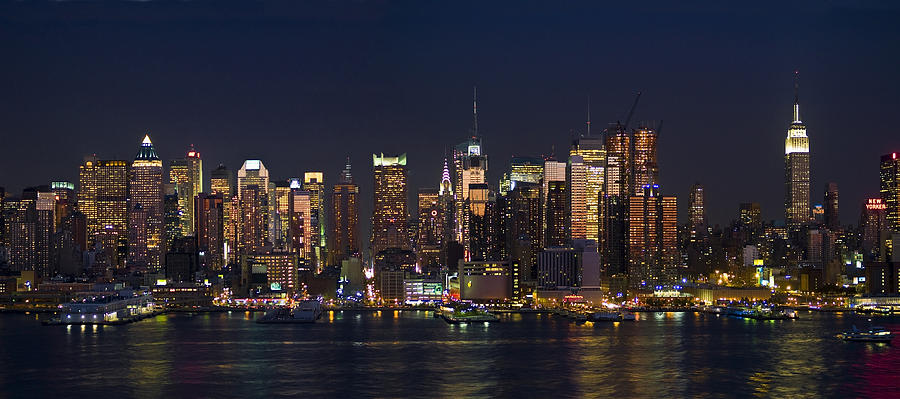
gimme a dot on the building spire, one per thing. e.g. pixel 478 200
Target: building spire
pixel 797 96
pixel 589 116
pixel 474 111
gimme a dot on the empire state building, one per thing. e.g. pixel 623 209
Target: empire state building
pixel 796 168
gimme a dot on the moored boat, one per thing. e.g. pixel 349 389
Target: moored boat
pixel 307 311
pixel 874 334
pixel 607 316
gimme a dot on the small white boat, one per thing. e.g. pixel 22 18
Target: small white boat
pixel 874 334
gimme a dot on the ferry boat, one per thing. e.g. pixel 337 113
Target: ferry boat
pixel 307 311
pixel 874 334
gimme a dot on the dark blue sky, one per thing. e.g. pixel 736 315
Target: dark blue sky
pixel 302 87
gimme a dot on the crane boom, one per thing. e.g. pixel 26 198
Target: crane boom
pixel 631 112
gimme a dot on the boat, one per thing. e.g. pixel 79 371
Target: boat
pixel 307 311
pixel 628 316
pixel 874 334
pixel 455 316
pixel 607 316
pixel 581 317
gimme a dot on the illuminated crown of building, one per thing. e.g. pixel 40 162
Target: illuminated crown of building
pixel 446 185
pixel 797 140
pixel 147 152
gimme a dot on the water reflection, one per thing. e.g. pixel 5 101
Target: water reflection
pixel 413 354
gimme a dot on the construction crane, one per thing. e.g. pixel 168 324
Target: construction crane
pixel 631 112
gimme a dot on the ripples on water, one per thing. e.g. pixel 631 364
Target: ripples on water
pixel 394 354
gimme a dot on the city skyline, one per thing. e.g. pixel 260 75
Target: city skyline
pixel 721 104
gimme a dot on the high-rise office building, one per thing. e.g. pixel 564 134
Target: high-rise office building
pixel 145 191
pixel 697 208
pixel 645 168
pixel 301 220
pixel 890 189
pixel 431 228
pixel 873 224
pixel 796 169
pixel 389 214
pixel 593 155
pixel 524 232
pixel 253 172
pixel 553 171
pixel 65 200
pixel 209 229
pixel 314 182
pixel 103 196
pixel 172 214
pixel 187 176
pixel 652 238
pixel 282 206
pixel 614 201
pixel 557 218
pixel 832 217
pixel 221 182
pixel 344 218
pixel 253 206
pixel 522 169
pixel 470 166
pixel 576 203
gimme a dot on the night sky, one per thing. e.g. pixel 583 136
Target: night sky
pixel 302 87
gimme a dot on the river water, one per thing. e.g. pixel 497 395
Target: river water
pixel 411 354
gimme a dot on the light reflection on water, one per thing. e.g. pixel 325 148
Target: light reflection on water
pixel 409 353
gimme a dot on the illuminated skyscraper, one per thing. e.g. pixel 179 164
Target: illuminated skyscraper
pixel 556 216
pixel 103 196
pixel 576 203
pixel 282 206
pixel 645 168
pixel 697 209
pixel 301 220
pixel 253 206
pixel 553 171
pixel 593 156
pixel 522 169
pixel 172 215
pixel 796 168
pixel 221 182
pixel 254 173
pixel 523 227
pixel 345 218
pixel 145 206
pixel 470 166
pixel 873 224
pixel 614 205
pixel 65 200
pixel 431 228
pixel 187 176
pixel 314 182
pixel 652 238
pixel 210 230
pixel 832 217
pixel 389 214
pixel 890 189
